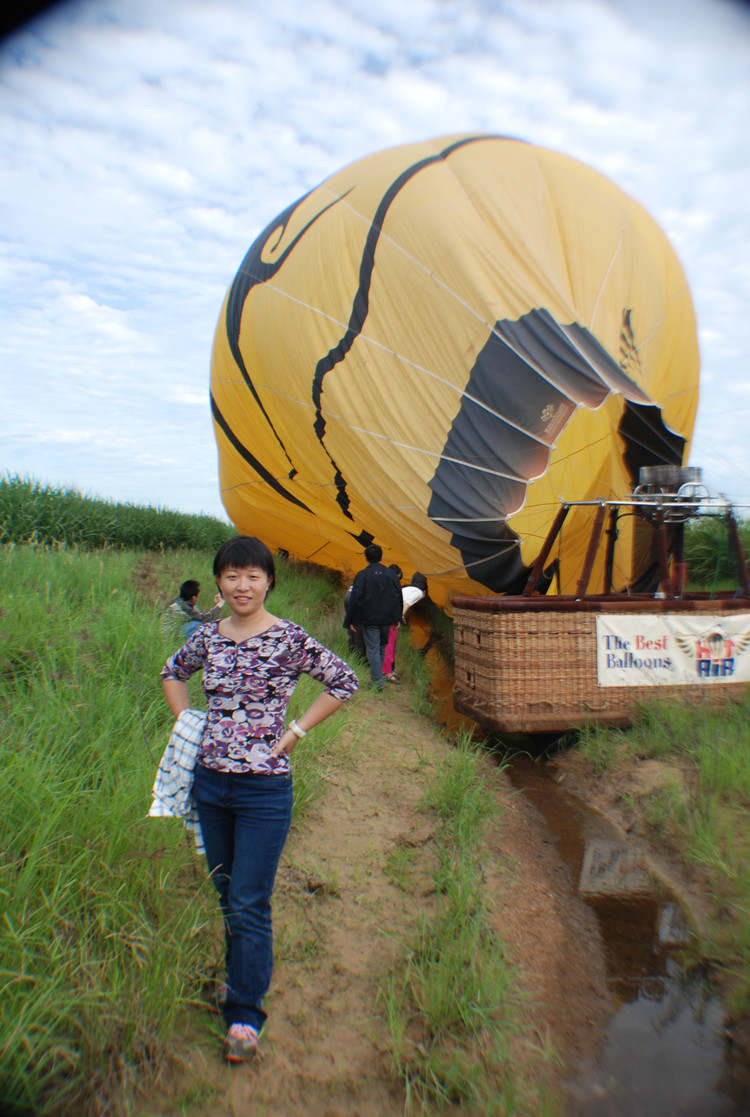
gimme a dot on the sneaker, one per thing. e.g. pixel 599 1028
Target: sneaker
pixel 241 1044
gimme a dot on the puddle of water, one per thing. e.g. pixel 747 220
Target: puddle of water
pixel 662 1056
pixel 665 1053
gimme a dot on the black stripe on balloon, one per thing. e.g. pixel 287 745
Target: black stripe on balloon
pixel 361 304
pixel 364 538
pixel 252 272
pixel 628 349
pixel 251 460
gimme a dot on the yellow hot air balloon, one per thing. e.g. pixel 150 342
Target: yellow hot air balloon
pixel 436 347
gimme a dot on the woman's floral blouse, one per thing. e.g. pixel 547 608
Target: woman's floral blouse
pixel 248 687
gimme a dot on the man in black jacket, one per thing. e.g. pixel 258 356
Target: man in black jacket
pixel 375 604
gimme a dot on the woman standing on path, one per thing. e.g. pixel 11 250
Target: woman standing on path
pixel 251 662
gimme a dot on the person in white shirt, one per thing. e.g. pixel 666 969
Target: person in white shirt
pixel 410 595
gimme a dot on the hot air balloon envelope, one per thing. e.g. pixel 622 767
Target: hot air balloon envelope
pixel 436 347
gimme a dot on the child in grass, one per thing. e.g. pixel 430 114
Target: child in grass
pixel 251 662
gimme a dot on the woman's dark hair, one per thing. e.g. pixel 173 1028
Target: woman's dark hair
pixel 242 551
pixel 419 581
pixel 396 570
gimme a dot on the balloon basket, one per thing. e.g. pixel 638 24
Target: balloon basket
pixel 529 665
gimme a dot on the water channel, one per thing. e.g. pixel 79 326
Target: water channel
pixel 666 1051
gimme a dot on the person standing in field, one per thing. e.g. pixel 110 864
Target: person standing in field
pixel 389 659
pixel 374 604
pixel 242 789
pixel 354 634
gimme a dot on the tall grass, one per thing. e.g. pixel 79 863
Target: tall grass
pixel 107 924
pixel 34 513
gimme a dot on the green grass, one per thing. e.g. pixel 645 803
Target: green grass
pixel 400 865
pixel 708 553
pixel 107 922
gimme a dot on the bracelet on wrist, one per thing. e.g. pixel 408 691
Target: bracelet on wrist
pixel 297 730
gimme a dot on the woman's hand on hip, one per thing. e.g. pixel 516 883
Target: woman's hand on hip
pixel 323 706
pixel 285 743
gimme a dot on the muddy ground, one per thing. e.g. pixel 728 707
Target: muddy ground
pixel 339 918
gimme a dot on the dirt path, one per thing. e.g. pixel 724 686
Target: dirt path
pixel 338 918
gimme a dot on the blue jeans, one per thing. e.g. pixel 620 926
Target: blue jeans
pixel 244 820
pixel 376 641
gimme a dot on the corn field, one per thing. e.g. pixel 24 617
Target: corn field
pixel 34 513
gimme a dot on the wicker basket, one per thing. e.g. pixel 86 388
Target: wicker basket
pixel 529 665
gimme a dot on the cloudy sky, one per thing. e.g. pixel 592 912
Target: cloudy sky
pixel 145 143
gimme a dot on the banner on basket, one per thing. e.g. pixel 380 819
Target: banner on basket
pixel 672 650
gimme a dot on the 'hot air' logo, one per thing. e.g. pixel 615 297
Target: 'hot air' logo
pixel 714 651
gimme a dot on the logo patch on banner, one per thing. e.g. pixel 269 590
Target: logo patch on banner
pixel 672 650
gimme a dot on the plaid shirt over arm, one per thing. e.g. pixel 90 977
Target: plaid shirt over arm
pixel 173 787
